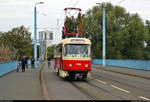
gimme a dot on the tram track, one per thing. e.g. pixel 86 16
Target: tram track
pixel 108 89
pixel 105 91
pixel 134 89
pixel 92 97
pixel 98 89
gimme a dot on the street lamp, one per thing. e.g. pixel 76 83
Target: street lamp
pixel 35 35
pixel 103 30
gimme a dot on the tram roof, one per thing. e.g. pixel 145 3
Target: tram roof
pixel 75 41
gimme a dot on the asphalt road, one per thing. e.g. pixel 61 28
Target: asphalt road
pixel 103 85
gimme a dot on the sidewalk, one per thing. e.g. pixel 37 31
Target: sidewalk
pixel 127 71
pixel 21 85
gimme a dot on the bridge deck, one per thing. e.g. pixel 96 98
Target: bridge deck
pixel 26 85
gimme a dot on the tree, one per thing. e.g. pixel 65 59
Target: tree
pixel 50 51
pixel 147 49
pixel 18 38
pixel 125 33
pixel 72 25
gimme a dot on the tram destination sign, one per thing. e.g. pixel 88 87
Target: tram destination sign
pixel 77 40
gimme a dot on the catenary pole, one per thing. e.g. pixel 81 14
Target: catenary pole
pixel 35 35
pixel 103 35
pixel 104 41
pixel 35 39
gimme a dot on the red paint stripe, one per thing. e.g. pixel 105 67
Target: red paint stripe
pixel 77 65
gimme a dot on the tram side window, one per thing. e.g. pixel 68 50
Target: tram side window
pixel 65 50
pixel 59 50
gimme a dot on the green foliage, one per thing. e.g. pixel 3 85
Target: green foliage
pixel 72 25
pixel 125 33
pixel 50 51
pixel 18 38
pixel 147 49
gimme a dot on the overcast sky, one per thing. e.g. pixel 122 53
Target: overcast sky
pixel 14 13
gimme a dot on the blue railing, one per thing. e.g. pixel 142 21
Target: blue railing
pixel 7 67
pixel 136 64
pixel 29 61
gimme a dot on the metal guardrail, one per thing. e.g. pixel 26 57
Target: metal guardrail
pixel 6 67
pixel 135 64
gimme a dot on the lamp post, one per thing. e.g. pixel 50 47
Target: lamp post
pixel 35 35
pixel 103 31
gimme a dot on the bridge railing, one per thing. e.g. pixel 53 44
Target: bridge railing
pixel 136 64
pixel 6 67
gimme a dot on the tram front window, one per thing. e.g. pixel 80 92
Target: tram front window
pixel 77 50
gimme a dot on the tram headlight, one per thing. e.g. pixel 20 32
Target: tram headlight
pixel 70 65
pixel 86 65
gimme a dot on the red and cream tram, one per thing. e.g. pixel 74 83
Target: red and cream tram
pixel 73 57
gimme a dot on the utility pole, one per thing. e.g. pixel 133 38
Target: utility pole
pixel 35 35
pixel 104 45
pixel 35 39
pixel 46 44
pixel 39 45
pixel 103 31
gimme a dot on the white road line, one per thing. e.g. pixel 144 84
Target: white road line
pixel 143 98
pixel 100 81
pixel 120 88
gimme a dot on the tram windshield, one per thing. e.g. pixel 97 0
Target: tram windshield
pixel 77 50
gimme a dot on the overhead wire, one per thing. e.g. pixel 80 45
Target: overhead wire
pixel 70 3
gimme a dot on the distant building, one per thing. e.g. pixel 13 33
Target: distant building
pixel 46 39
pixel 47 36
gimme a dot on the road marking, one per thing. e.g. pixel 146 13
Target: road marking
pixel 120 88
pixel 100 81
pixel 143 98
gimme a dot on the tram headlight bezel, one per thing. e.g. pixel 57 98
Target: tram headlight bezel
pixel 86 65
pixel 70 65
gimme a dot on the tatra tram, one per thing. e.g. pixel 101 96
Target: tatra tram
pixel 72 56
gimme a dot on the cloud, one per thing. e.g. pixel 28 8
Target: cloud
pixel 18 12
pixel 13 15
pixel 16 2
